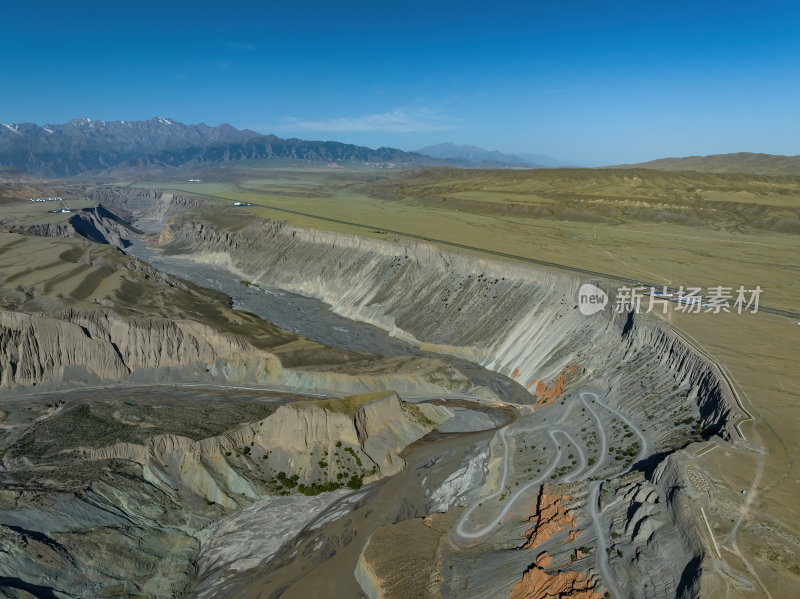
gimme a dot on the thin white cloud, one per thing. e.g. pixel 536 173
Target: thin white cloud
pixel 400 120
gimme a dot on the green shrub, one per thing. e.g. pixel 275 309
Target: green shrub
pixel 355 482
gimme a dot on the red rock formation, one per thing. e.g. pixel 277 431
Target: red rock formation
pixel 537 583
pixel 551 517
pixel 543 560
pixel 547 395
pixel 573 534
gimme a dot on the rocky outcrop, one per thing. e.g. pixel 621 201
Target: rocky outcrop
pixel 317 445
pixel 551 517
pixel 153 563
pixel 384 429
pixel 538 583
pixel 653 544
pixel 100 225
pixel 547 394
pixel 376 433
pixel 403 560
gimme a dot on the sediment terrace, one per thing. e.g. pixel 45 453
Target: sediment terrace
pixel 613 398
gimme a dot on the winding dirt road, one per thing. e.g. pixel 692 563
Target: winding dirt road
pixel 465 532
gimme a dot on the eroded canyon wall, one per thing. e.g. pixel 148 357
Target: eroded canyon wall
pixel 512 318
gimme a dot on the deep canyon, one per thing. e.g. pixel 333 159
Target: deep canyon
pixel 278 406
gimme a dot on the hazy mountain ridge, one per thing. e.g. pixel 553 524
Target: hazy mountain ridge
pixel 472 154
pixel 84 146
pixel 546 161
pixel 740 162
pixel 480 157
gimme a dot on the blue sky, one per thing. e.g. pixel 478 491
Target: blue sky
pixel 589 82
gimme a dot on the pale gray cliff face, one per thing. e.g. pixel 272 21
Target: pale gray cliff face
pixel 80 347
pixel 88 347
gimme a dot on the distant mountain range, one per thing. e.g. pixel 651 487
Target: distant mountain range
pixel 741 163
pixel 104 148
pixel 482 158
pixel 83 146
